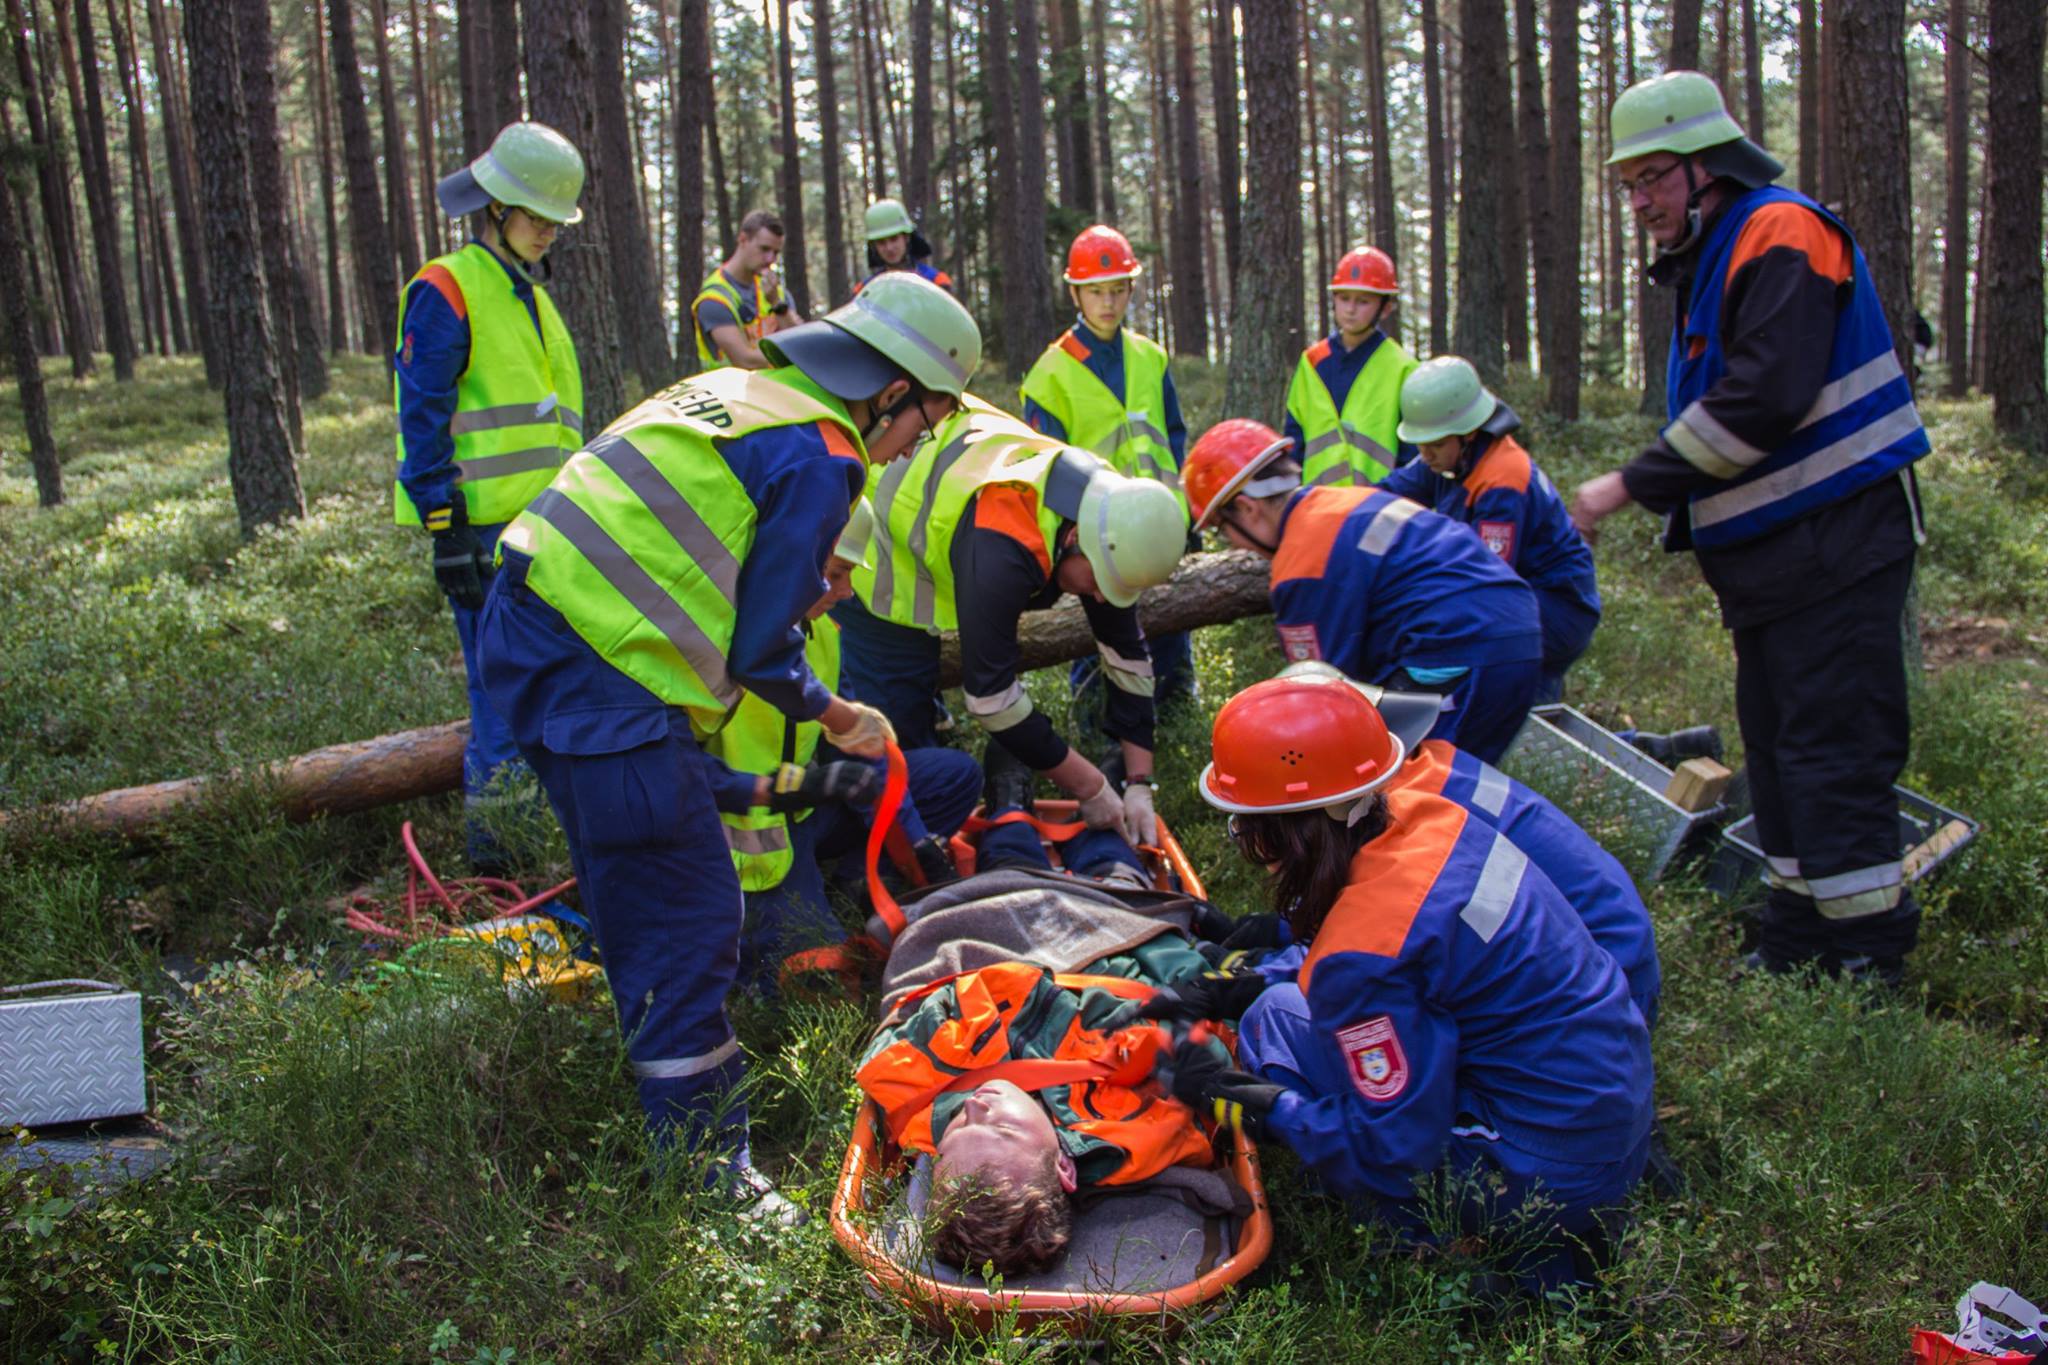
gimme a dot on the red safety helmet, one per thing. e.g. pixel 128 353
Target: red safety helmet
pixel 1227 457
pixel 1367 270
pixel 1297 743
pixel 1101 254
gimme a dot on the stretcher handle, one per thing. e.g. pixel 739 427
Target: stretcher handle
pixel 878 834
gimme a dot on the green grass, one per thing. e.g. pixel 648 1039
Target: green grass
pixel 431 1170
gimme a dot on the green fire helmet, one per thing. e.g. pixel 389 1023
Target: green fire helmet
pixel 859 533
pixel 530 166
pixel 1682 112
pixel 900 324
pixel 887 218
pixel 1443 397
pixel 1133 532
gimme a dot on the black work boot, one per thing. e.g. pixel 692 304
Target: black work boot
pixel 1006 781
pixel 1698 741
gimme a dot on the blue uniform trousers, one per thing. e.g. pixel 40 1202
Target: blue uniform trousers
pixel 1568 627
pixel 1091 853
pixel 1485 708
pixel 893 668
pixel 945 786
pixel 630 786
pixel 490 751
pixel 1551 1243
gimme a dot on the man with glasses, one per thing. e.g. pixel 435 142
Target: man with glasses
pixel 490 399
pixel 1787 468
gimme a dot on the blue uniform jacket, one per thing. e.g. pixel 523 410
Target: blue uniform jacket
pixel 1452 984
pixel 924 270
pixel 1500 492
pixel 430 360
pixel 1373 583
pixel 1106 362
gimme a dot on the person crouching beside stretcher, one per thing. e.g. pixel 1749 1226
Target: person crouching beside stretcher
pixel 1451 1020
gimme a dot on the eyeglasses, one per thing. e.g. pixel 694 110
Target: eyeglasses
pixel 1627 190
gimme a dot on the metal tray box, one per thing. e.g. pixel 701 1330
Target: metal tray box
pixel 1930 834
pixel 1614 790
pixel 70 1051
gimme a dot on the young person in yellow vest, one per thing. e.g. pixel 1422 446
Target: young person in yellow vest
pixel 664 573
pixel 793 806
pixel 894 243
pixel 490 399
pixel 1107 389
pixel 742 301
pixel 988 520
pixel 1345 401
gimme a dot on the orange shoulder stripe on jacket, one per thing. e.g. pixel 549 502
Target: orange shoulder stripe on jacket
pixel 1319 352
pixel 1504 465
pixel 837 443
pixel 1312 529
pixel 1012 510
pixel 1391 877
pixel 1074 346
pixel 444 282
pixel 1426 770
pixel 942 279
pixel 1797 227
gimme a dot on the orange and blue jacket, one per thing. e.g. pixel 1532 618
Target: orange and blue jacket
pixel 1118 1130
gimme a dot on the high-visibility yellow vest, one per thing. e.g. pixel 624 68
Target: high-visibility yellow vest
pixel 717 286
pixel 639 540
pixel 519 405
pixel 918 502
pixel 1356 446
pixel 1127 431
pixel 760 739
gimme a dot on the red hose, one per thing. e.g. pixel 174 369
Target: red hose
pixel 445 906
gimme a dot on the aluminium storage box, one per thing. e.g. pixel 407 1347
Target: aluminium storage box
pixel 70 1052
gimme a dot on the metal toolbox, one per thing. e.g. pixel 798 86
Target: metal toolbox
pixel 70 1051
pixel 1614 790
pixel 1930 834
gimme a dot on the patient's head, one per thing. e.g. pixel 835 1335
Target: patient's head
pixel 1000 1184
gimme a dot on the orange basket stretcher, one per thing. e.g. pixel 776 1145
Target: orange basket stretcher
pixel 869 1185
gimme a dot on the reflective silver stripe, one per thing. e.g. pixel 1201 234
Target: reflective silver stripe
pixel 511 462
pixel 1478 1130
pixel 1142 426
pixel 1158 472
pixel 1708 445
pixel 1859 383
pixel 1784 874
pixel 1000 712
pixel 1822 464
pixel 1130 675
pixel 1866 891
pixel 570 418
pixel 709 553
pixel 924 605
pixel 1490 793
pixel 950 365
pixel 1861 904
pixel 1318 444
pixel 1337 471
pixel 885 541
pixel 772 839
pixel 1494 894
pixel 677 1068
pixel 1652 138
pixel 1386 524
pixel 1783 867
pixel 504 415
pixel 631 582
pixel 1359 441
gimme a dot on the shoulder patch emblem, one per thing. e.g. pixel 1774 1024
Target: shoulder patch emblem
pixel 1499 537
pixel 1299 642
pixel 1379 1069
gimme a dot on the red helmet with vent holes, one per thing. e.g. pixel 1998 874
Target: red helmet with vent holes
pixel 1367 269
pixel 1101 254
pixel 1297 744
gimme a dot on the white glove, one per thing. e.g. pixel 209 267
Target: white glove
pixel 867 737
pixel 1104 810
pixel 1141 826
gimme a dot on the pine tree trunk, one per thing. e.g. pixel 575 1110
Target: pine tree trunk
pixel 303 376
pixel 693 76
pixel 1105 144
pixel 1488 124
pixel 1565 366
pixel 1000 120
pixel 727 224
pixel 1955 237
pixel 154 327
pixel 956 157
pixel 837 284
pixel 1439 182
pixel 1657 306
pixel 1516 308
pixel 1070 102
pixel 501 78
pixel 1190 287
pixel 892 105
pixel 795 271
pixel 186 214
pixel 472 55
pixel 323 123
pixel 88 119
pixel 1684 53
pixel 53 190
pixel 21 347
pixel 635 283
pixel 1752 75
pixel 1318 217
pixel 1870 76
pixel 1229 166
pixel 405 237
pixel 1386 234
pixel 1533 138
pixel 1266 319
pixel 1809 97
pixel 1614 333
pixel 917 172
pixel 1034 288
pixel 871 92
pixel 376 286
pixel 262 459
pixel 2012 322
pixel 561 76
pixel 163 286
pixel 1163 174
pixel 432 234
pixel 1832 165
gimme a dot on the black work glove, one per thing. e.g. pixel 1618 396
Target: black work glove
pixel 461 566
pixel 1258 931
pixel 1212 995
pixel 847 782
pixel 933 860
pixel 1214 1089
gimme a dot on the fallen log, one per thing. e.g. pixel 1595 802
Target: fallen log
pixel 1207 589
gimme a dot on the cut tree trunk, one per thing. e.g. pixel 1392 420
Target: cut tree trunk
pixel 1267 322
pixel 1207 589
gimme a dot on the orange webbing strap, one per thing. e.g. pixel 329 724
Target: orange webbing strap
pixel 1058 834
pixel 878 834
pixel 1123 986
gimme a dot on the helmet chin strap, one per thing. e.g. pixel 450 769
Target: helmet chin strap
pixel 1270 547
pixel 1696 190
pixel 538 272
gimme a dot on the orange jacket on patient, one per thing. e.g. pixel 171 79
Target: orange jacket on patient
pixel 1119 1126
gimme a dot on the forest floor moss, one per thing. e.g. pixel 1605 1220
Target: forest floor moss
pixel 435 1171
